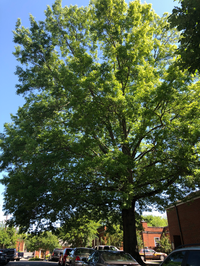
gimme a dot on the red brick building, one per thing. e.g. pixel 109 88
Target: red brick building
pixel 20 246
pixel 151 235
pixel 184 221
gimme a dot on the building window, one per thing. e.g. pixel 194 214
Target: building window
pixel 156 241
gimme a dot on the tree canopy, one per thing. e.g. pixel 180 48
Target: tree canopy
pixel 110 124
pixel 156 221
pixel 187 20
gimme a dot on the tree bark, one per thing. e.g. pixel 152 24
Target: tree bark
pixel 130 237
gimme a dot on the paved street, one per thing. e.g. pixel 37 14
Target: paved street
pixel 32 263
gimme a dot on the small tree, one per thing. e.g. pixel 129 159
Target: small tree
pixel 79 231
pixel 164 244
pixel 114 237
pixel 139 240
pixel 46 241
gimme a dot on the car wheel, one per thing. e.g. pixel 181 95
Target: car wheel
pixel 162 257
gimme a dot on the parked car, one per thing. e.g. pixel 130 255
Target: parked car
pixel 56 254
pixel 64 257
pixel 12 254
pixel 77 255
pixel 110 257
pixel 3 258
pixel 151 254
pixel 185 256
pixel 105 247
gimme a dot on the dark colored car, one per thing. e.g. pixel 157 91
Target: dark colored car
pixel 3 258
pixel 64 258
pixel 55 256
pixel 186 256
pixel 77 255
pixel 12 254
pixel 110 257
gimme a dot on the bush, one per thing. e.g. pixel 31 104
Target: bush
pixel 35 259
pixel 164 245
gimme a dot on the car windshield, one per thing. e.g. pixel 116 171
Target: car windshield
pixel 118 256
pixel 84 251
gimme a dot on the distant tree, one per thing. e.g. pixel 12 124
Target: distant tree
pixel 187 20
pixel 8 236
pixel 45 241
pixel 78 231
pixel 114 237
pixel 157 221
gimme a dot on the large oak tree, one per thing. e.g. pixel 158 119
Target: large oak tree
pixel 110 124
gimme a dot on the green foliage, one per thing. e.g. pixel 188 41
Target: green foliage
pixel 79 231
pixel 156 221
pixel 35 259
pixel 115 238
pixel 186 19
pixel 8 236
pixel 45 241
pixel 110 123
pixel 164 244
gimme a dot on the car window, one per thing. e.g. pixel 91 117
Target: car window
pixel 95 257
pixel 90 258
pixel 71 252
pixel 193 258
pixel 112 248
pixel 175 259
pixel 117 256
pixel 84 251
pixel 68 251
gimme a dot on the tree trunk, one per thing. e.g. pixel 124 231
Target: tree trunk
pixel 129 236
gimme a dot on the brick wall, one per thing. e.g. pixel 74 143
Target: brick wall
pixel 184 222
pixel 149 234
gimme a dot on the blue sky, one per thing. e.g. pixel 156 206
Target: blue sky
pixel 10 10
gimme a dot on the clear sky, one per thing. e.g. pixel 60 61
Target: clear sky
pixel 10 10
